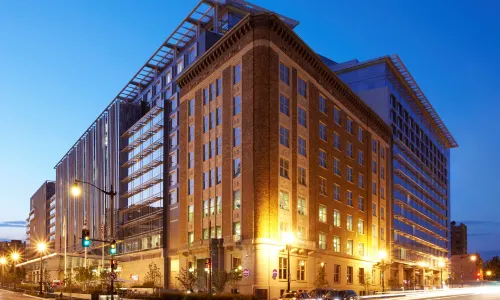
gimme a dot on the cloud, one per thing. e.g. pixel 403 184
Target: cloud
pixel 480 234
pixel 16 224
pixel 477 223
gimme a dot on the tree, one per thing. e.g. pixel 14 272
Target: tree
pixel 84 275
pixel 321 281
pixel 153 276
pixel 234 279
pixel 104 278
pixel 187 279
pixel 365 280
pixel 219 280
pixel 493 265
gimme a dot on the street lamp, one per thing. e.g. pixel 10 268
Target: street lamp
pixel 382 255
pixel 441 266
pixel 423 264
pixel 15 258
pixel 488 273
pixel 288 239
pixel 41 247
pixel 3 262
pixel 472 258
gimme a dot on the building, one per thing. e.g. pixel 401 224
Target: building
pixel 9 247
pixel 465 269
pixel 458 239
pixel 237 133
pixel 421 166
pixel 39 225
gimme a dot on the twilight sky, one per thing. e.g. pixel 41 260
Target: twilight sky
pixel 62 62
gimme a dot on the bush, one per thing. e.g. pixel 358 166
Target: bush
pixel 67 289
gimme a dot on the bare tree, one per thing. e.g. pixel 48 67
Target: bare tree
pixel 321 281
pixel 187 279
pixel 153 276
pixel 219 280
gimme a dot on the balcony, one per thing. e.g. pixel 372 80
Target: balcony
pixel 150 166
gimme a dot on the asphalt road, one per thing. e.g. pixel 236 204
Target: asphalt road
pixel 480 293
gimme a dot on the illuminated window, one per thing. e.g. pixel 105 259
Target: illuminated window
pixel 236 167
pixel 322 240
pixel 336 218
pixel 322 213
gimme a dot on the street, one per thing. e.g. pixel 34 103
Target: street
pixel 481 293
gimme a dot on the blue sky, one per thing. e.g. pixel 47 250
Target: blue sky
pixel 62 62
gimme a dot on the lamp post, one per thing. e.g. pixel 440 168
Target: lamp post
pixel 423 264
pixel 41 247
pixel 441 265
pixel 472 258
pixel 3 262
pixel 76 191
pixel 288 239
pixel 15 258
pixel 382 255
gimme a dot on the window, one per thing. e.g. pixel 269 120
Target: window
pixel 301 206
pixel 206 180
pixel 322 213
pixel 212 91
pixel 284 74
pixel 322 131
pixel 284 168
pixel 349 150
pixel 336 272
pixel 284 105
pixel 374 209
pixel 349 174
pixel 237 228
pixel 169 76
pixel 180 66
pixel 302 87
pixel 218 205
pixel 236 74
pixel 236 136
pixel 206 152
pixel 302 176
pixel 382 172
pixel 190 213
pixel 212 119
pixel 218 82
pixel 190 186
pixel 336 218
pixel 382 233
pixel 302 117
pixel 191 160
pixel 219 175
pixel 191 55
pixel 301 145
pixel 360 134
pixel 361 252
pixel 206 205
pixel 336 192
pixel 236 105
pixel 374 230
pixel 219 116
pixel 361 203
pixel 301 232
pixel 283 268
pixel 382 192
pixel 382 152
pixel 361 181
pixel 349 249
pixel 322 186
pixel 301 270
pixel 205 124
pixel 349 198
pixel 361 158
pixel 219 145
pixel 205 96
pixel 382 212
pixel 191 133
pixel 322 241
pixel 322 158
pixel 191 108
pixel 349 125
pixel 322 104
pixel 212 206
pixel 336 141
pixel 349 222
pixel 336 115
pixel 361 226
pixel 374 146
pixel 284 200
pixel 374 188
pixel 237 199
pixel 190 238
pixel 236 167
pixel 336 166
pixel 374 167
pixel 284 136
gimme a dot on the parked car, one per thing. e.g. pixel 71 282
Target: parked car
pixel 294 295
pixel 320 293
pixel 342 295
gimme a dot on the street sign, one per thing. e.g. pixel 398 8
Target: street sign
pixel 112 276
pixel 275 273
pixel 246 273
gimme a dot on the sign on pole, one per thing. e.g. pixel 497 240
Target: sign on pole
pixel 275 273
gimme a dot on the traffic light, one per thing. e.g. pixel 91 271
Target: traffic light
pixel 114 264
pixel 86 238
pixel 112 248
pixel 478 276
